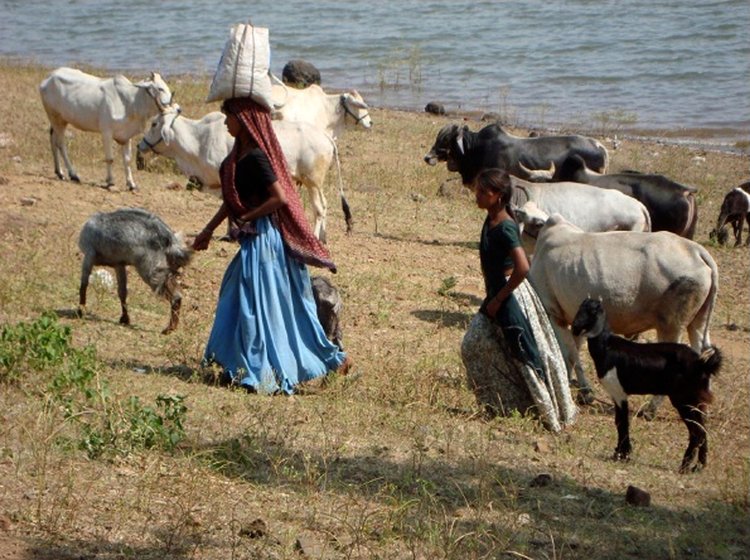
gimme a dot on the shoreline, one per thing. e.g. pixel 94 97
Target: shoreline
pixel 707 139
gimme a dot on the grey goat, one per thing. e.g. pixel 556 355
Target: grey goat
pixel 132 236
pixel 329 305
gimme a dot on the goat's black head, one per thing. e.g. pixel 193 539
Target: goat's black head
pixel 590 319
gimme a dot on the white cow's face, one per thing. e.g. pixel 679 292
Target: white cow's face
pixel 160 129
pixel 158 89
pixel 356 108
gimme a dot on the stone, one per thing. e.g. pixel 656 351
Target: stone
pixel 300 74
pixel 637 497
pixel 494 376
pixel 255 530
pixel 541 480
pixel 435 108
pixel 494 117
pixel 307 545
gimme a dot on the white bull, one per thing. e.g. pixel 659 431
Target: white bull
pixel 199 147
pixel 329 112
pixel 590 208
pixel 645 280
pixel 115 107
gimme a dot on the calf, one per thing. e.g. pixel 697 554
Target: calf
pixel 627 368
pixel 131 236
pixel 735 210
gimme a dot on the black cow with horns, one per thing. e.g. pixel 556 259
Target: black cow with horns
pixel 469 152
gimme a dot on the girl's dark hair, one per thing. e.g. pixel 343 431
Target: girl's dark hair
pixel 496 180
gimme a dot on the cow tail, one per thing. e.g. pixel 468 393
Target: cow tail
pixel 688 231
pixel 344 204
pixel 605 156
pixel 708 305
pixel 648 218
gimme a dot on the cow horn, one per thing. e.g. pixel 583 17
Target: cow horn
pixel 538 174
pixel 460 140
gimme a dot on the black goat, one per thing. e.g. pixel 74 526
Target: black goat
pixel 131 236
pixel 735 209
pixel 627 368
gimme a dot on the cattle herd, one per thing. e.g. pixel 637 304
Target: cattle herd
pixel 624 239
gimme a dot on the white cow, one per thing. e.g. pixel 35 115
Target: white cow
pixel 645 280
pixel 330 112
pixel 590 208
pixel 199 147
pixel 115 107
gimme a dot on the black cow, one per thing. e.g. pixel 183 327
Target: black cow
pixel 469 152
pixel 735 210
pixel 671 205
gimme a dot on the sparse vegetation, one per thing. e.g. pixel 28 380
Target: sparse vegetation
pixel 396 463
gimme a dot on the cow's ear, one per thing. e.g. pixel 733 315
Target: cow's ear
pixel 167 132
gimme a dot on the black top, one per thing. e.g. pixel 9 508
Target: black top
pixel 253 177
pixel 495 246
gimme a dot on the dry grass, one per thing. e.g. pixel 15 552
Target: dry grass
pixel 397 464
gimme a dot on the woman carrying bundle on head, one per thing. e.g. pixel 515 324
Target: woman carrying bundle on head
pixel 512 304
pixel 266 334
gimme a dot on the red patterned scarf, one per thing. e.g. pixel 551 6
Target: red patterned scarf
pixel 290 219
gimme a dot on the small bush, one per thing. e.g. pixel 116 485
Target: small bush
pixel 83 398
pixel 29 347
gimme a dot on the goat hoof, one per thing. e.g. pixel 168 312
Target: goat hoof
pixel 124 320
pixel 585 397
pixel 75 178
pixel 687 468
pixel 621 456
pixel 79 312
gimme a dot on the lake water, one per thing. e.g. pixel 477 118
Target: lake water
pixel 652 66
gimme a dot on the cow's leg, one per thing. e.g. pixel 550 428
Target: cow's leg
pixel 86 267
pixel 668 333
pixel 55 153
pixel 57 138
pixel 622 422
pixel 107 141
pixel 122 292
pixel 320 208
pixel 570 352
pixel 126 158
pixel 747 219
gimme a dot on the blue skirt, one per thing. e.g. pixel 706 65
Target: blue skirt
pixel 266 334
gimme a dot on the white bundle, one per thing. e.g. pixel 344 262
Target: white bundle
pixel 243 69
